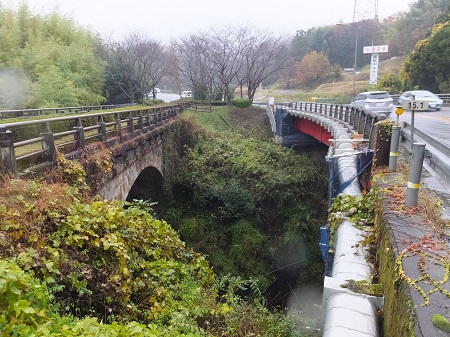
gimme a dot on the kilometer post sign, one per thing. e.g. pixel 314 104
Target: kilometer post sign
pixel 413 104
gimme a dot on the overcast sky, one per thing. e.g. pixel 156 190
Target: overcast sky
pixel 166 19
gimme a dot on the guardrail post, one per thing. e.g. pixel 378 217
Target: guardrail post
pixel 48 144
pixel 415 172
pixel 357 120
pixel 351 116
pixel 79 136
pixel 367 120
pixel 362 117
pixel 7 155
pixel 393 154
pixel 102 127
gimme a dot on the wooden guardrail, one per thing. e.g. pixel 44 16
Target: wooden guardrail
pixel 35 142
pixel 46 111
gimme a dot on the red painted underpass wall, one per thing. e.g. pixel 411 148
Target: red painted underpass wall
pixel 313 129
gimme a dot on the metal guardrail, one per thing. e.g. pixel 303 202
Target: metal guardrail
pixel 357 120
pixel 35 142
pixel 362 121
pixel 46 111
pixel 444 97
pixel 436 153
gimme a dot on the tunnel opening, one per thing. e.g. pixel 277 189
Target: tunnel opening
pixel 148 186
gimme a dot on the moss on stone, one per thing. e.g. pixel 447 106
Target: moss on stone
pixel 398 307
pixel 441 322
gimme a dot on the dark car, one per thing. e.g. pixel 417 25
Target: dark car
pixel 375 101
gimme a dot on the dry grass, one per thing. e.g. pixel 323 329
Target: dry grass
pixel 27 210
pixel 431 210
pixel 429 207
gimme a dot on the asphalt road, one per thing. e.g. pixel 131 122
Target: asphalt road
pixel 435 124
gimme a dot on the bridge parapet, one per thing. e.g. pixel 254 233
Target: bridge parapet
pixel 330 115
pixel 346 312
pixel 30 146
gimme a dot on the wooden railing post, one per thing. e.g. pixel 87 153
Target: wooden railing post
pixel 130 123
pixel 79 136
pixel 7 155
pixel 148 118
pixel 48 144
pixel 141 121
pixel 102 128
pixel 118 126
pixel 153 117
pixel 159 114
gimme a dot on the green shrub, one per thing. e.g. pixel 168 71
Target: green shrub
pixel 26 310
pixel 238 202
pixel 241 103
pixel 153 101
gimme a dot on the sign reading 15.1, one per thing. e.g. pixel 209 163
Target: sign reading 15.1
pixel 414 105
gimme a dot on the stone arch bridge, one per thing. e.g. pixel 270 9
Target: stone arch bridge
pixel 135 138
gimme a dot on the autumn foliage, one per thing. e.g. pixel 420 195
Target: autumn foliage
pixel 312 67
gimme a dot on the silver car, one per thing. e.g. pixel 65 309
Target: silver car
pixel 375 101
pixel 434 101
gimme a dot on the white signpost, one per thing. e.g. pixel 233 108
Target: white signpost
pixel 374 69
pixel 374 50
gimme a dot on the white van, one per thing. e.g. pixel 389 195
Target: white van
pixel 185 94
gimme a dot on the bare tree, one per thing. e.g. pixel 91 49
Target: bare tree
pixel 210 61
pixel 220 60
pixel 194 68
pixel 136 65
pixel 225 52
pixel 264 55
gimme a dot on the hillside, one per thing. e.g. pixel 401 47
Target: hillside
pixel 341 87
pixel 344 84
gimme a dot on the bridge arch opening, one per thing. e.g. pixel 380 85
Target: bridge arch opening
pixel 148 186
